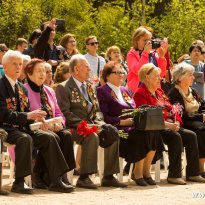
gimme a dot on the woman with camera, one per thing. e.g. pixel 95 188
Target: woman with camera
pixel 174 136
pixel 43 97
pixel 193 113
pixel 139 147
pixel 144 50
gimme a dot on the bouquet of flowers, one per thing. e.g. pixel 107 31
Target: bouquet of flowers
pixel 123 134
pixel 85 130
pixel 177 109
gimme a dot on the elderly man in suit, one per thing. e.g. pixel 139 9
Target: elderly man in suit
pixel 15 118
pixel 78 102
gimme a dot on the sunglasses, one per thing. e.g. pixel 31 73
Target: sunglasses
pixel 4 51
pixel 119 72
pixel 150 70
pixel 93 43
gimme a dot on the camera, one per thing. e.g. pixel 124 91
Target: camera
pixel 60 25
pixel 156 43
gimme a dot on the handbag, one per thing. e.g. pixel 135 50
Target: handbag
pixel 108 135
pixel 149 117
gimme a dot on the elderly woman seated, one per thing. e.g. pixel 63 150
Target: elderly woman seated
pixel 174 136
pixel 193 113
pixel 140 146
pixel 43 97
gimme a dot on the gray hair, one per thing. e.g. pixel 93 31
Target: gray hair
pixel 26 58
pixel 74 61
pixel 180 71
pixel 11 54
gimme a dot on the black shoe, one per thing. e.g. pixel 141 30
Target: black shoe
pixel 21 188
pixel 59 186
pixel 149 181
pixel 65 180
pixel 141 182
pixel 38 182
pixel 86 183
pixel 112 183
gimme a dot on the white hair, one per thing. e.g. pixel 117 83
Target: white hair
pixel 47 65
pixel 11 54
pixel 180 71
pixel 75 59
pixel 26 58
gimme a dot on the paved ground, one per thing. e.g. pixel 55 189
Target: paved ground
pixel 162 194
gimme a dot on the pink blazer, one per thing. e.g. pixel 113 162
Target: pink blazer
pixel 35 101
pixel 134 63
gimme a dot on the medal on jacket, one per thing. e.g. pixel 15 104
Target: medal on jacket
pixel 84 104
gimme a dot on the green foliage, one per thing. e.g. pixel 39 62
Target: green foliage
pixel 182 21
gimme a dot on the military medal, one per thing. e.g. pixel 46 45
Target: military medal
pixel 84 104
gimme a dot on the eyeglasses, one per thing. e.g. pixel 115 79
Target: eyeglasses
pixel 93 43
pixel 119 72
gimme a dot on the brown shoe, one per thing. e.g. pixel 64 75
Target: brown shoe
pixel 199 179
pixel 86 183
pixel 178 181
pixel 112 183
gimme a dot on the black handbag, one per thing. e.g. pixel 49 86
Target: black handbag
pixel 108 135
pixel 148 117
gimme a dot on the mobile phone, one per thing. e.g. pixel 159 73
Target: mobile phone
pixel 60 25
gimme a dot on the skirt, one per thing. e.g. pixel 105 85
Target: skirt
pixel 139 143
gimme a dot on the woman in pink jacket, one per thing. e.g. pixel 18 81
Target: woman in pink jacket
pixel 44 98
pixel 142 52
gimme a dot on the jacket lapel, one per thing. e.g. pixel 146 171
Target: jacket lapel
pixel 8 86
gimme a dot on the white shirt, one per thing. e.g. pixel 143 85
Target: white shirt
pixel 12 82
pixel 117 91
pixel 79 84
pixel 93 61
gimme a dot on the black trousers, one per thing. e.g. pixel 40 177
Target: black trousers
pixel 43 141
pixel 175 142
pixel 65 141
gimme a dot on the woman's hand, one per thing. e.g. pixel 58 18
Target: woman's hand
pixel 44 126
pixel 172 126
pixel 126 122
pixel 148 47
pixel 203 117
pixel 57 127
pixel 52 24
pixel 163 49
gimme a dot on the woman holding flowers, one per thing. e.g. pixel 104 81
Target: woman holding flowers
pixel 193 114
pixel 139 147
pixel 174 136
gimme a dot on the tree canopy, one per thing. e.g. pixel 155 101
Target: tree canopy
pixel 113 21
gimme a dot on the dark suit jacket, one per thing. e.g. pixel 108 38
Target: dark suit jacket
pixel 74 106
pixel 111 107
pixel 9 115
